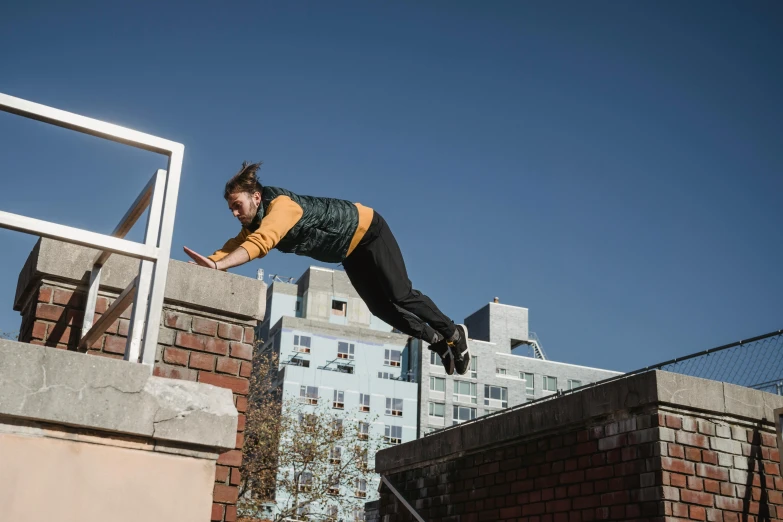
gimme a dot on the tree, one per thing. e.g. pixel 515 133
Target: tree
pixel 301 461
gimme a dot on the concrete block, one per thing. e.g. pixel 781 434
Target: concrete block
pixel 62 387
pixel 684 390
pixel 750 403
pixel 188 284
pixel 723 432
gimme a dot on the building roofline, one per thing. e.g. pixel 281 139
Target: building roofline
pixel 560 363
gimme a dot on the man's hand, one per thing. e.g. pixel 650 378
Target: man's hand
pixel 199 259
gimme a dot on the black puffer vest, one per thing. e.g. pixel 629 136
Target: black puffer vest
pixel 324 231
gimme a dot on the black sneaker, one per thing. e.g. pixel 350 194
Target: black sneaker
pixel 461 351
pixel 445 352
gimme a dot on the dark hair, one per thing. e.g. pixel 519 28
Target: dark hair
pixel 244 181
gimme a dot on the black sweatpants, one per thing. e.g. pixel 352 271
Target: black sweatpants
pixel 377 271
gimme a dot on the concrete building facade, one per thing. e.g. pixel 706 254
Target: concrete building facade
pixel 333 352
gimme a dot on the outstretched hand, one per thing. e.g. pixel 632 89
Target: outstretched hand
pixel 199 259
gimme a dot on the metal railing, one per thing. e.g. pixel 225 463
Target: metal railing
pixel 145 291
pixel 754 363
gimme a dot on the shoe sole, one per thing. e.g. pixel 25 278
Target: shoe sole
pixel 467 343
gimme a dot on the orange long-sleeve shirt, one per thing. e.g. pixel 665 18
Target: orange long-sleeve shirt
pixel 281 216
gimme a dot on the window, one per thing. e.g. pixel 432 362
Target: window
pixel 573 383
pixel 463 413
pixel 364 462
pixel 386 375
pixel 364 402
pixel 495 396
pixel 339 307
pixel 301 344
pixel 500 371
pixel 474 367
pixel 296 361
pixel 435 359
pixel 308 421
pixel 550 383
pixel 529 382
pixel 339 399
pixel 335 455
pixel 358 514
pixel 394 407
pixel 345 351
pixel 308 394
pixel 303 512
pixel 361 488
pixel 364 430
pixel 392 434
pixel 438 384
pixel 337 426
pixel 437 409
pixel 465 392
pixel 332 511
pixel 392 358
pixel 344 368
pixel 305 481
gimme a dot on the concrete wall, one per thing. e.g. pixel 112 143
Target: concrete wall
pixel 501 324
pixel 89 439
pixel 207 330
pixel 656 446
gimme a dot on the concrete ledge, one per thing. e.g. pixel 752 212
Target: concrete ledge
pixel 61 387
pixel 340 331
pixel 187 284
pixel 651 389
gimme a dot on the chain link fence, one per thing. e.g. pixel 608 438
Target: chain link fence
pixel 755 363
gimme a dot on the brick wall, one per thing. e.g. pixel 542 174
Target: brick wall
pixel 192 345
pixel 653 462
pixel 207 329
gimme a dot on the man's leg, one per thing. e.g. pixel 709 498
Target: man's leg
pixel 382 261
pixel 372 293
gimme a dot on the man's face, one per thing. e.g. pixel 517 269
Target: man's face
pixel 244 206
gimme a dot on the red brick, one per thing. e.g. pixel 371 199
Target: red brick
pixel 250 335
pixel 231 513
pixel 39 330
pixel 123 327
pixel 221 473
pixel 246 369
pixel 176 356
pixel 679 466
pixel 115 345
pixel 231 458
pixel 713 472
pixel 240 441
pixel 728 504
pixel 768 439
pixel 236 478
pixel 241 404
pixel 710 457
pixel 173 372
pixel 771 468
pixel 599 473
pixel 232 332
pixel 695 484
pixel 678 480
pixel 730 517
pixel 696 497
pixel 235 384
pixel 63 297
pixel 101 305
pixel 227 365
pixel 714 515
pixel 177 321
pixel 692 439
pixel 615 497
pixel 677 451
pixel 48 312
pixel 680 510
pixel 693 454
pixel 711 486
pixel 242 351
pixel 202 343
pixel 726 489
pixel 202 361
pixel 217 512
pixel 698 513
pixel 205 326
pixel 673 422
pixel 241 423
pixel 226 494
pixel 45 294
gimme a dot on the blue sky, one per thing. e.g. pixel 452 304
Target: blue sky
pixel 616 167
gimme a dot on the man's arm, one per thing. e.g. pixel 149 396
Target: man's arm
pixel 283 213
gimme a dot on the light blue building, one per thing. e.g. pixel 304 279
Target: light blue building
pixel 333 352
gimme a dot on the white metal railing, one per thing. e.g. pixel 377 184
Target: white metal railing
pixel 145 292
